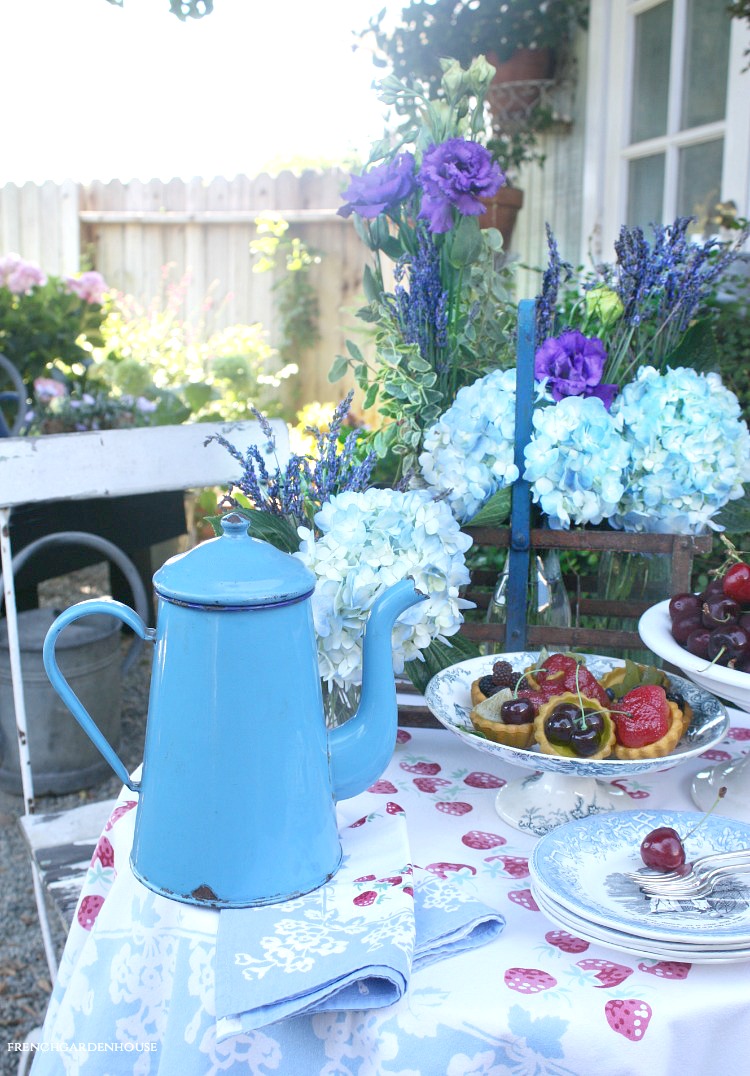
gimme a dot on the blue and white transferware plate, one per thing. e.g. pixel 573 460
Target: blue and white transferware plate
pixel 448 696
pixel 581 866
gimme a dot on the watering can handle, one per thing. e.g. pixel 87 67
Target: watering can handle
pixel 63 688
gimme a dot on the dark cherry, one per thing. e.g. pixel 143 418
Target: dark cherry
pixel 662 849
pixel 592 719
pixel 559 727
pixel 728 644
pixel 718 612
pixel 681 605
pixel 517 711
pixel 697 642
pixel 682 626
pixel 585 742
pixel 714 589
pixel 744 621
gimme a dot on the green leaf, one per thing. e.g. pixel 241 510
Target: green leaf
pixel 697 348
pixel 494 512
pixel 735 516
pixel 338 368
pixel 276 530
pixel 354 351
pixel 439 655
pixel 392 248
pixel 370 285
pixel 370 398
pixel 467 243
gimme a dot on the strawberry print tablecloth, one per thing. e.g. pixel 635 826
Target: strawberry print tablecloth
pixel 136 989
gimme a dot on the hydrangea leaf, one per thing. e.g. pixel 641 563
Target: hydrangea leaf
pixel 494 511
pixel 439 655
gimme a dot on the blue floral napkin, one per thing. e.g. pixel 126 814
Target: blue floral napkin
pixel 352 943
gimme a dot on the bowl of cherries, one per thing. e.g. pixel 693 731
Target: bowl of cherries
pixel 707 635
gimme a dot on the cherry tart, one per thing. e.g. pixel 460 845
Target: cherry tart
pixel 506 719
pixel 575 726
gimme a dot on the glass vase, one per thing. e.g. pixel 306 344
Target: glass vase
pixel 547 601
pixel 340 702
pixel 641 577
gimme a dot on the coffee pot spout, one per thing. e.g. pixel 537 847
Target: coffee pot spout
pixel 361 748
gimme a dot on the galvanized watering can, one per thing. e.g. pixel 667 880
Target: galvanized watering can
pixel 240 776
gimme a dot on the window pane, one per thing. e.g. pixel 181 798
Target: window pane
pixel 645 190
pixel 706 62
pixel 653 33
pixel 699 184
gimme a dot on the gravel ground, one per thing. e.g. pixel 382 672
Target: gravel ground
pixel 24 976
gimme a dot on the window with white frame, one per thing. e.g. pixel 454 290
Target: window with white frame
pixel 668 115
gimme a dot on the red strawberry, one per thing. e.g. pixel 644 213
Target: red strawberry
pixel 427 768
pixel 88 910
pixel 560 672
pixel 667 969
pixel 528 980
pixel 104 852
pixel 119 811
pixel 402 736
pixel 457 808
pixel 478 779
pixel 383 786
pixel 716 756
pixel 513 866
pixel 629 1017
pixel 642 716
pixel 363 900
pixel 429 784
pixel 634 793
pixel 567 943
pixel 524 898
pixel 607 972
pixel 441 870
pixel 478 838
pixel 393 808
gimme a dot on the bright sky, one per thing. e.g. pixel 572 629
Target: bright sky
pixel 94 91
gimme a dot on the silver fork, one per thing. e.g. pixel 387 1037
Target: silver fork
pixel 698 881
pixel 698 867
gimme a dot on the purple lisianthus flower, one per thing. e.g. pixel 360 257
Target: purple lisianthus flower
pixel 573 365
pixel 456 173
pixel 382 187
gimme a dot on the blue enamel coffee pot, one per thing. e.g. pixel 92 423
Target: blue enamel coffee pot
pixel 240 776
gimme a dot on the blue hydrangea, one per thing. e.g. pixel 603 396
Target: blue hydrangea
pixel 690 450
pixel 468 453
pixel 369 540
pixel 575 461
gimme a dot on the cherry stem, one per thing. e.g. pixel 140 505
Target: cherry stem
pixel 719 796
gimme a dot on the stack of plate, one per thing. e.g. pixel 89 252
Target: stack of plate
pixel 578 881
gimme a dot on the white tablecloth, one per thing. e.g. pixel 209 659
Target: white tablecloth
pixel 135 992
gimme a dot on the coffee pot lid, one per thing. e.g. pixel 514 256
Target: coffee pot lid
pixel 234 570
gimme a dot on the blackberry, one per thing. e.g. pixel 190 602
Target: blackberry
pixel 488 686
pixel 503 674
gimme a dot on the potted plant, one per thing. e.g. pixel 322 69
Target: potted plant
pixel 511 35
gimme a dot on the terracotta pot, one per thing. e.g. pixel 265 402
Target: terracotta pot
pixel 502 211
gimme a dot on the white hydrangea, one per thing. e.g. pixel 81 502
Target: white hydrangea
pixel 468 453
pixel 690 450
pixel 368 541
pixel 575 461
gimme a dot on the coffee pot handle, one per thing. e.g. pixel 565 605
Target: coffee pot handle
pixel 63 688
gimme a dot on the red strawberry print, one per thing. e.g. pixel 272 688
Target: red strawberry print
pixel 629 1017
pixel 363 900
pixel 479 779
pixel 716 755
pixel 409 889
pixel 667 969
pixel 393 808
pixel 360 822
pixel 441 870
pixel 365 878
pixel 457 807
pixel 567 943
pixel 739 734
pixel 384 787
pixel 119 811
pixel 513 866
pixel 429 769
pixel 524 898
pixel 528 980
pixel 607 972
pixel 634 793
pixel 478 838
pixel 429 784
pixel 395 879
pixel 104 852
pixel 88 910
pixel 402 736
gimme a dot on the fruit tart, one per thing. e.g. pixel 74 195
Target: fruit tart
pixel 648 724
pixel 566 672
pixel 505 718
pixel 575 726
pixel 503 676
